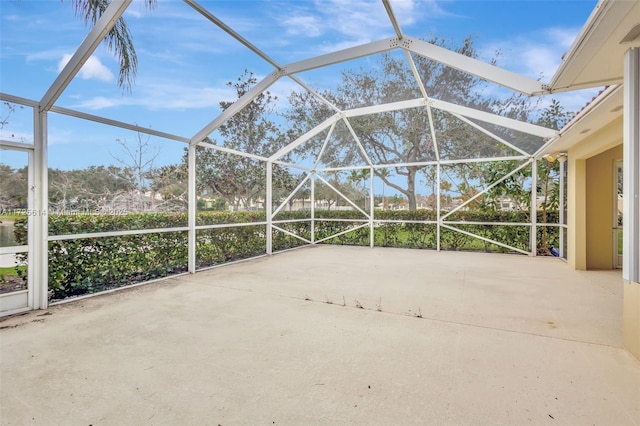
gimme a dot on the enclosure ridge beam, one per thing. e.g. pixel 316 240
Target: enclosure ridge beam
pixel 392 106
pixel 234 108
pixel 416 74
pixel 232 151
pixel 485 190
pixel 392 18
pixel 324 146
pixel 115 123
pixel 315 93
pixel 433 132
pixel 427 163
pixel 295 166
pixel 357 139
pixel 84 51
pixel 343 168
pixel 488 133
pixel 344 55
pixel 486 71
pixel 423 90
pixel 224 27
pixel 496 119
pixel 302 139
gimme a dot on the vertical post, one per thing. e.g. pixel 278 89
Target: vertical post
pixel 31 197
pixel 313 207
pixel 533 237
pixel 39 260
pixel 372 207
pixel 269 207
pixel 438 195
pixel 631 167
pixel 193 207
pixel 562 207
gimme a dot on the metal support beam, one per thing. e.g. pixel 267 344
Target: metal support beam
pixel 302 139
pixel 224 27
pixel 268 205
pixel 233 109
pixel 475 67
pixel 533 235
pixel 342 55
pixel 84 52
pixel 115 123
pixel 313 207
pixel 438 206
pixel 392 18
pixel 487 117
pixel 372 208
pixel 39 261
pixel 193 206
pixel 562 208
pixel 631 167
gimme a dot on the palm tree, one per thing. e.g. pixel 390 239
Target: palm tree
pixel 359 177
pixel 118 39
pixel 383 173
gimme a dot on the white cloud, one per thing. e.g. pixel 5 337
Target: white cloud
pixel 535 55
pixel 162 95
pixel 93 69
pixel 306 25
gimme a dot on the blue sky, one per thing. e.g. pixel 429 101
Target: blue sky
pixel 185 61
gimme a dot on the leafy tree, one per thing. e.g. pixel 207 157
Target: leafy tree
pixel 404 136
pixel 13 187
pixel 171 182
pixel 92 188
pixel 240 179
pixel 359 179
pixel 137 160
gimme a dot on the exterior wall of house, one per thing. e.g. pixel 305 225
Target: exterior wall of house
pixel 600 198
pixel 587 166
pixel 631 318
pixel 590 217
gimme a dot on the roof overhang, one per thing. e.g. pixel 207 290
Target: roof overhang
pixel 601 111
pixel 596 57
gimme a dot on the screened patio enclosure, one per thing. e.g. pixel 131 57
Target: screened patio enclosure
pixel 437 129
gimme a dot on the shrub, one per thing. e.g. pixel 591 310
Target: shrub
pixel 88 265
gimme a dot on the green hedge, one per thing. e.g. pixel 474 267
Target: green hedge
pixel 89 265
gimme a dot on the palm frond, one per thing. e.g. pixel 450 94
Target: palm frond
pixel 118 40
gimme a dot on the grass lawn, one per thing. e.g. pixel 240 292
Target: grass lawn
pixel 12 271
pixel 10 217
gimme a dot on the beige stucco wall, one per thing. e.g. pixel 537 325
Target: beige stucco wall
pixel 586 167
pixel 590 217
pixel 576 216
pixel 631 318
pixel 599 205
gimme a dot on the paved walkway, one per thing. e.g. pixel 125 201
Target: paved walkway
pixel 332 335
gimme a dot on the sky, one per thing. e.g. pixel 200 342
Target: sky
pixel 185 62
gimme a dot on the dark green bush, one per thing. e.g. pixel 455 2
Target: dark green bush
pixel 89 265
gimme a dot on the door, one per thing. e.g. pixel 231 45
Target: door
pixel 617 214
pixel 16 197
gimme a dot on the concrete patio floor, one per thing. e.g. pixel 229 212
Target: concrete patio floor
pixel 332 335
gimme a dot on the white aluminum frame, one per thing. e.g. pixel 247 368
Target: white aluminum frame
pixel 39 237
